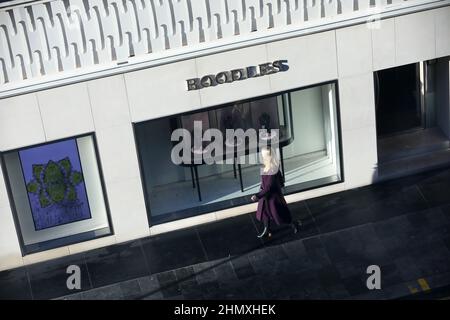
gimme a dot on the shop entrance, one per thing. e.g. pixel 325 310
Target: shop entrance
pixel 398 104
pixel 412 113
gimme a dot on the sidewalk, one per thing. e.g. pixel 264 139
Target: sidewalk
pixel 401 225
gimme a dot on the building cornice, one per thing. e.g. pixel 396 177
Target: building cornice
pixel 46 44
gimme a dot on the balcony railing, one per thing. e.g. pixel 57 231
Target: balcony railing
pixel 46 41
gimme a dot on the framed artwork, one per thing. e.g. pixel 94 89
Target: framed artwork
pixel 54 183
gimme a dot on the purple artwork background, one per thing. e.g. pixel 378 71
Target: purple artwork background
pixel 55 214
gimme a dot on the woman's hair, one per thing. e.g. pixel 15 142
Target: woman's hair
pixel 269 154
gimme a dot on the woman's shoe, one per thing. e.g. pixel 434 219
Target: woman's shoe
pixel 296 226
pixel 265 234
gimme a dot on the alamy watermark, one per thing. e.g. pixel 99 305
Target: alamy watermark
pixel 374 280
pixel 212 146
pixel 73 282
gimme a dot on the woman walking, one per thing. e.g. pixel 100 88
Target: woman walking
pixel 271 203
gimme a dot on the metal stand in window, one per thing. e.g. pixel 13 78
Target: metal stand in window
pixel 194 171
pixel 195 180
pixel 235 145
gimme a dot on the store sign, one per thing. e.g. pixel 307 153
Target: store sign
pixel 223 77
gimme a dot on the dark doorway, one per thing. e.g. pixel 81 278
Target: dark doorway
pixel 412 113
pixel 398 107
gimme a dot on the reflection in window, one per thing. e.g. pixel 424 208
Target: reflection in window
pixel 305 120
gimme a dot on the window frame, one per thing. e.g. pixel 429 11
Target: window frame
pixel 47 245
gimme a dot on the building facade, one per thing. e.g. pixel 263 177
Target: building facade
pixel 92 91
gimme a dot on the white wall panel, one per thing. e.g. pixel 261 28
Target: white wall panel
pixel 10 254
pixel 66 111
pixel 415 37
pixel 383 44
pixel 359 156
pixel 442 24
pixel 161 91
pixel 129 216
pixel 117 151
pixel 108 98
pixel 354 50
pixel 312 59
pixel 357 102
pixel 20 122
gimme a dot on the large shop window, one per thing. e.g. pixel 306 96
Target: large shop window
pixel 306 121
pixel 57 191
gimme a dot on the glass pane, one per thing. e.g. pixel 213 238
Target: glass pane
pixel 311 157
pixel 303 120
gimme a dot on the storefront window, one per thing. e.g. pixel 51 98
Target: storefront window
pixel 57 193
pixel 304 123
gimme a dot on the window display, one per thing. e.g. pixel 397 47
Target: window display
pixel 56 189
pixel 57 193
pixel 303 123
pixel 234 117
pixel 265 113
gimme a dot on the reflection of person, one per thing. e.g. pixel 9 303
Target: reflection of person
pixel 235 118
pixel 264 121
pixel 271 203
pixel 238 117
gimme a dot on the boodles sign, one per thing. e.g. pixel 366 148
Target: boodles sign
pixel 223 77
